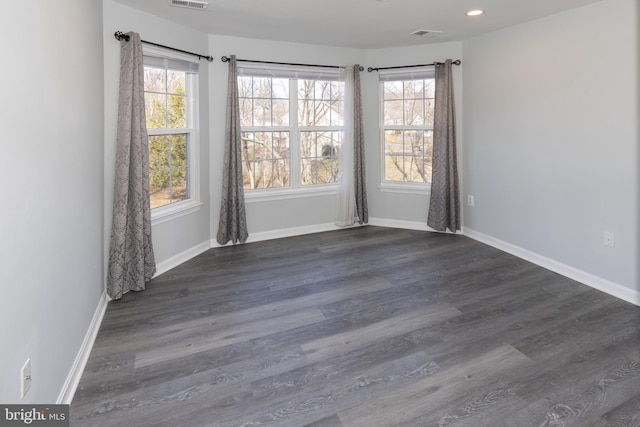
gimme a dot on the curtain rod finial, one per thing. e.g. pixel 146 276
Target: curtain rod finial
pixel 224 59
pixel 119 35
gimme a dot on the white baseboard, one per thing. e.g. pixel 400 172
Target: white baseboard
pixel 176 260
pixel 394 223
pixel 73 378
pixel 596 282
pixel 407 225
pixel 286 232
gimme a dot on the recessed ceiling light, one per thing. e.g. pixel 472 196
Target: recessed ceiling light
pixel 475 12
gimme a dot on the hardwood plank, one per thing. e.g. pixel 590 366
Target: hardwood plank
pixel 348 341
pixel 627 414
pixel 179 345
pixel 344 392
pixel 432 394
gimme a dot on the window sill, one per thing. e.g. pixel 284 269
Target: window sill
pixel 405 188
pixel 251 196
pixel 174 211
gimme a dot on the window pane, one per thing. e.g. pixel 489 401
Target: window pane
pixel 429 104
pixel 262 145
pixel 393 113
pixel 414 174
pixel 337 113
pixel 427 169
pixel 428 143
pixel 430 88
pixel 414 89
pixel 307 144
pixel 179 151
pixel 265 159
pixel 309 172
pixel 280 112
pixel 248 175
pixel 322 113
pixel 159 193
pixel 414 143
pixel 305 89
pixel 392 90
pixel 394 166
pixel 159 153
pixel 262 112
pixel 261 87
pixel 306 114
pixel 319 152
pixel 154 79
pixel 176 82
pixel 281 173
pixel 337 90
pixel 176 114
pixel 394 142
pixel 262 172
pixel 179 185
pixel 246 112
pixel 414 112
pixel 168 169
pixel 280 142
pixel 155 110
pixel 322 90
pixel 245 87
pixel 280 88
pixel 248 146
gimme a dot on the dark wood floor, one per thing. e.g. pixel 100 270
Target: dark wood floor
pixel 363 327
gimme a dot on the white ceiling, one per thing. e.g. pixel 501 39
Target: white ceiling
pixel 365 24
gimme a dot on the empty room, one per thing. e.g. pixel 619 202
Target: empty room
pixel 303 213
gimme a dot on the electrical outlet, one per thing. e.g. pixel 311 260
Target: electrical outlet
pixel 470 201
pixel 25 378
pixel 608 239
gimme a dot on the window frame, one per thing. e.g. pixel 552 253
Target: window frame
pixel 402 75
pixel 193 203
pixel 295 189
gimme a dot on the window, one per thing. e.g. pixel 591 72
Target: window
pixel 170 88
pixel 292 127
pixel 407 125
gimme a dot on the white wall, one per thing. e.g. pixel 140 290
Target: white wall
pixel 51 236
pixel 266 216
pixel 395 206
pixel 551 138
pixel 171 238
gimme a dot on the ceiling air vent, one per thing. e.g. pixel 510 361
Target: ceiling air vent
pixel 427 33
pixel 190 4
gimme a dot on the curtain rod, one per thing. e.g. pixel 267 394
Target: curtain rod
pixel 226 59
pixel 119 35
pixel 456 62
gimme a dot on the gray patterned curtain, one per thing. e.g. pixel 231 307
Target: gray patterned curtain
pixel 444 205
pixel 358 151
pixel 232 226
pixel 131 259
